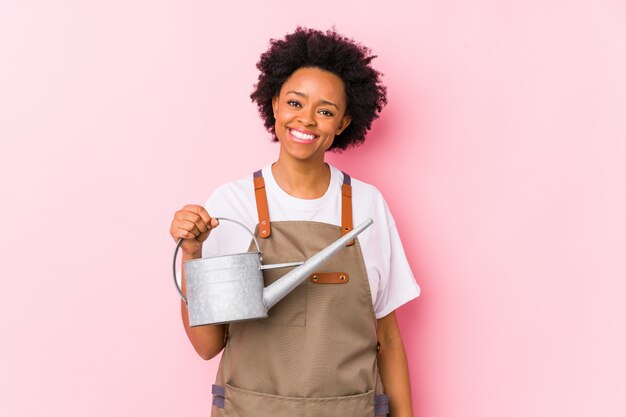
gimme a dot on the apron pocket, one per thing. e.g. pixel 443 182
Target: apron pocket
pixel 244 403
pixel 360 405
pixel 291 310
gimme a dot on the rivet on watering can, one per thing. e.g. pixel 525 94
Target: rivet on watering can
pixel 314 277
pixel 342 277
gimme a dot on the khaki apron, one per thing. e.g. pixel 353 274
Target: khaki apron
pixel 315 355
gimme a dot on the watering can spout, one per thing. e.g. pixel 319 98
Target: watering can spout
pixel 276 291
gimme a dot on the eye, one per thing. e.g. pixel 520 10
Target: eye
pixel 294 103
pixel 327 113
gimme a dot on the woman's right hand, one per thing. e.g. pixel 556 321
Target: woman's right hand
pixel 193 224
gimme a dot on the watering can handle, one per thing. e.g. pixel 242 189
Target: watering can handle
pixel 180 242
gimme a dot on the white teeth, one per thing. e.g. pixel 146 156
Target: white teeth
pixel 301 135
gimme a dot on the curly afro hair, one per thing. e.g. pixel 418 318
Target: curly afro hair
pixel 350 61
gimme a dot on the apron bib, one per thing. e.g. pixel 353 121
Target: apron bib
pixel 315 355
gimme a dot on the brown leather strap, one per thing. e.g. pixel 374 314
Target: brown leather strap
pixel 329 278
pixel 346 206
pixel 263 210
pixel 261 205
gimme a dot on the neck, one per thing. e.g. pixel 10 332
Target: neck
pixel 308 180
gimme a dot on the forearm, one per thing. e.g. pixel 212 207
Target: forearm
pixel 394 372
pixel 207 340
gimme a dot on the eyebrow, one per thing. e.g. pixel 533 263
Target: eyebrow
pixel 330 103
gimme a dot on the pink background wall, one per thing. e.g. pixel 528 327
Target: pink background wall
pixel 502 154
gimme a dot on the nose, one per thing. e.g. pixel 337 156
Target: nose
pixel 307 116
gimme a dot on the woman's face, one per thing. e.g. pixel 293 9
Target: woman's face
pixel 309 111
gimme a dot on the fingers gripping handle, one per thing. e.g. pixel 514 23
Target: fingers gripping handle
pixel 180 242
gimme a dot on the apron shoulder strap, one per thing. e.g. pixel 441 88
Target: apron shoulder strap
pixel 346 206
pixel 261 205
pixel 263 210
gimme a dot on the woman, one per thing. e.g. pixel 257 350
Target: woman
pixel 331 347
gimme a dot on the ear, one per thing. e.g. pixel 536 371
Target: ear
pixel 275 105
pixel 345 122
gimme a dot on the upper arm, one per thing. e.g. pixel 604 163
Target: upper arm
pixel 387 329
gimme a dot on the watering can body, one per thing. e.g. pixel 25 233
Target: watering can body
pixel 225 289
pixel 229 288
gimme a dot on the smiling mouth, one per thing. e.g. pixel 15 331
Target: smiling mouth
pixel 302 137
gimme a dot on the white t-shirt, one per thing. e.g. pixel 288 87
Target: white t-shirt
pixel 388 271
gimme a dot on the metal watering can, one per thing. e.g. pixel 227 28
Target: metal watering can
pixel 228 288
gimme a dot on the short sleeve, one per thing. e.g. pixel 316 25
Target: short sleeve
pixel 233 201
pixel 400 286
pixel 397 284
